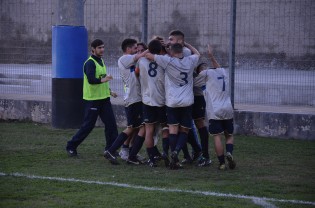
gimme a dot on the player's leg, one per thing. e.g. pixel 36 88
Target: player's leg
pixel 216 129
pixel 90 116
pixel 123 136
pixel 229 143
pixel 109 120
pixel 139 139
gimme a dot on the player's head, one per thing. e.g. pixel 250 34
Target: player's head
pixel 161 39
pixel 141 47
pixel 129 46
pixel 176 36
pixel 155 46
pixel 202 66
pixel 176 49
pixel 97 47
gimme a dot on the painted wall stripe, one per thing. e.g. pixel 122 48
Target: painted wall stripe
pixel 124 185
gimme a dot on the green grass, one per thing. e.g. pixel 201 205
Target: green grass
pixel 266 167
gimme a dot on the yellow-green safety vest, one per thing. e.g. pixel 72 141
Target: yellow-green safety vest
pixel 95 91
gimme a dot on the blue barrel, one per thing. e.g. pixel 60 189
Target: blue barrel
pixel 69 52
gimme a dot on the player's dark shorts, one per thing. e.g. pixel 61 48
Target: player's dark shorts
pixel 154 114
pixel 179 116
pixel 199 107
pixel 134 115
pixel 221 126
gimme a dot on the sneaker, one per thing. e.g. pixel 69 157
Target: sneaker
pixel 124 153
pixel 196 155
pixel 187 161
pixel 141 159
pixel 166 160
pixel 222 167
pixel 203 162
pixel 133 161
pixel 152 163
pixel 174 164
pixel 71 152
pixel 112 159
pixel 230 160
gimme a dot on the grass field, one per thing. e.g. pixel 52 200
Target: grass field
pixel 36 172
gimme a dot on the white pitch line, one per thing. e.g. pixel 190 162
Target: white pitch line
pixel 206 193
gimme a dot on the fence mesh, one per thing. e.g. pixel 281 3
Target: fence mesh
pixel 275 61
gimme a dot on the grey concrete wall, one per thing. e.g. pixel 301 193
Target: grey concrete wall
pixel 264 124
pixel 263 27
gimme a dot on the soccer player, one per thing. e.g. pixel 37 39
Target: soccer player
pixel 177 36
pixel 179 94
pixel 132 101
pixel 219 111
pixel 153 97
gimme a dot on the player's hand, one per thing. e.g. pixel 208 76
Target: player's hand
pixel 107 78
pixel 113 94
pixel 210 50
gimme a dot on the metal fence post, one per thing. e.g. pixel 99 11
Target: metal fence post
pixel 232 49
pixel 144 36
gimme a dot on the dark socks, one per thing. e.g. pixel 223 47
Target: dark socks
pixel 137 144
pixel 229 148
pixel 186 152
pixel 203 133
pixel 172 141
pixel 193 142
pixel 156 151
pixel 122 137
pixel 221 159
pixel 150 152
pixel 165 145
pixel 182 140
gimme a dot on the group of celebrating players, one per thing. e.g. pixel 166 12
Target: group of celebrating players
pixel 168 91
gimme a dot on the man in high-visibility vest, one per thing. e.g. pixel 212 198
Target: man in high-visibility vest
pixel 96 94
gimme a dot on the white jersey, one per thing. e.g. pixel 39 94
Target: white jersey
pixel 186 51
pixel 152 82
pixel 218 102
pixel 199 85
pixel 178 79
pixel 126 65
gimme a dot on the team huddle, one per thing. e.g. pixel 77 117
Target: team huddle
pixel 168 92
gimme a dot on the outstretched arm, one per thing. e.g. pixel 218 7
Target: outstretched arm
pixel 193 49
pixel 214 62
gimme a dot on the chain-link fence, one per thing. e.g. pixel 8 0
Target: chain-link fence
pixel 275 42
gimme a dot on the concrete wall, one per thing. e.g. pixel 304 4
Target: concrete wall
pixel 263 27
pixel 264 124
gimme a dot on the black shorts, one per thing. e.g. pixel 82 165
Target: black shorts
pixel 221 126
pixel 154 114
pixel 199 108
pixel 179 116
pixel 134 115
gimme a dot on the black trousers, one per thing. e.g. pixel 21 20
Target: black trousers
pixel 93 109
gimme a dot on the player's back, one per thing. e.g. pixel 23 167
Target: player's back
pixel 218 102
pixel 152 82
pixel 132 89
pixel 178 79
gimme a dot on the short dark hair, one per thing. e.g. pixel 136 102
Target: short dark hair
pixel 96 42
pixel 143 45
pixel 155 46
pixel 177 33
pixel 127 43
pixel 177 48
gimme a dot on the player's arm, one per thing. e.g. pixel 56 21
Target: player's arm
pixel 139 55
pixel 193 49
pixel 214 62
pixel 90 70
